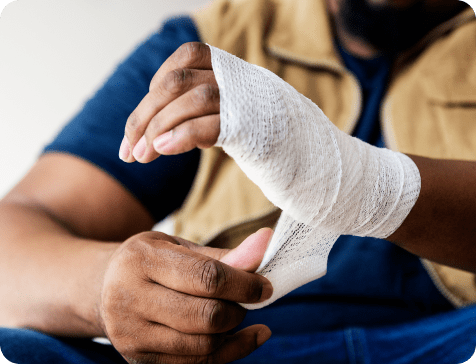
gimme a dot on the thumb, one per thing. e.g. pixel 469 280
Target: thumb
pixel 249 254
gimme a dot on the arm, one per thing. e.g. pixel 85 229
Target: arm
pixel 66 205
pixel 54 247
pixel 155 297
pixel 76 264
pixel 64 199
pixel 440 226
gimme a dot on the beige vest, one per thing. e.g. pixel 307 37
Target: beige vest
pixel 429 109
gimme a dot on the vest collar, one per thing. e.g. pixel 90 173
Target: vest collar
pixel 306 36
pixel 301 32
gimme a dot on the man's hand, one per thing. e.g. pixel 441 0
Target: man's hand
pixel 181 110
pixel 165 299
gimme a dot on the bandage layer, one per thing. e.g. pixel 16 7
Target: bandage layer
pixel 326 182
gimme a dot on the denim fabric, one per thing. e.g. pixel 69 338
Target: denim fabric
pixel 22 346
pixel 448 338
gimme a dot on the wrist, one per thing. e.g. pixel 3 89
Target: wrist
pixel 379 188
pixel 397 202
pixel 326 182
pixel 84 296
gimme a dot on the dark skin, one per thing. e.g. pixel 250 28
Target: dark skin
pixel 442 214
pixel 157 298
pixel 73 248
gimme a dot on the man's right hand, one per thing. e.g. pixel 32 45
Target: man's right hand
pixel 167 300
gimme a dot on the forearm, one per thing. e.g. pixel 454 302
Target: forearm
pixel 50 279
pixel 442 224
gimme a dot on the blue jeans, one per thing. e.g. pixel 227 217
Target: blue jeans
pixel 448 338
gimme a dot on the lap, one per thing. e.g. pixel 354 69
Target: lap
pixel 445 338
pixel 27 346
pixel 448 338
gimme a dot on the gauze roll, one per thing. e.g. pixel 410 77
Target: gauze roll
pixel 326 182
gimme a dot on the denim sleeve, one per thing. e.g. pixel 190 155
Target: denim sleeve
pixel 96 132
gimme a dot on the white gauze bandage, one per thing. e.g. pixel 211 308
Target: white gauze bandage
pixel 326 182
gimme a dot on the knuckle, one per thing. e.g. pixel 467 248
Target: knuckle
pixel 255 290
pixel 155 126
pixel 211 276
pixel 182 345
pixel 133 123
pixel 196 345
pixel 201 345
pixel 157 236
pixel 136 249
pixel 116 302
pixel 189 131
pixel 213 315
pixel 138 255
pixel 120 337
pixel 207 344
pixel 131 344
pixel 191 52
pixel 204 94
pixel 175 81
pixel 197 132
pixel 207 135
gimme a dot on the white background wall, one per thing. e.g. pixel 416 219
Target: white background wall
pixel 53 56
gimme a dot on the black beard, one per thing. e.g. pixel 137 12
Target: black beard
pixel 389 29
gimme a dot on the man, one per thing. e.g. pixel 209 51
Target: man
pixel 77 265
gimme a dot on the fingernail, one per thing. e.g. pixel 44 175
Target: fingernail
pixel 139 149
pixel 267 292
pixel 263 335
pixel 124 150
pixel 161 141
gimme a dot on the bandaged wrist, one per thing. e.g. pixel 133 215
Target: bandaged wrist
pixel 326 182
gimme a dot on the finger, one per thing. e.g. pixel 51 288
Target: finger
pixel 186 313
pixel 242 344
pixel 174 84
pixel 203 100
pixel 249 254
pixel 181 269
pixel 152 337
pixel 201 132
pixel 193 55
pixel 215 253
pixel 235 347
